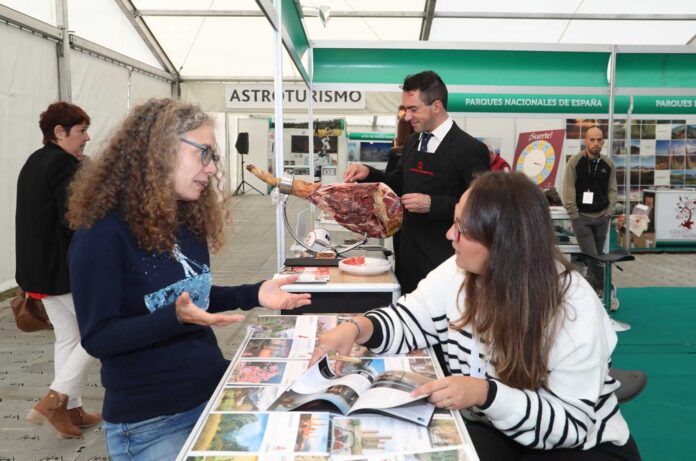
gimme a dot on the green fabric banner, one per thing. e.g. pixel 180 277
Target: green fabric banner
pixel 462 67
pixel 371 136
pixel 568 104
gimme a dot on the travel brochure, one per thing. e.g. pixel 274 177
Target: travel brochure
pixel 299 436
pixel 248 419
pixel 368 388
pixel 307 274
pixel 435 454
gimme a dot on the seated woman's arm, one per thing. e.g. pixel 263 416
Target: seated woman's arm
pixel 418 319
pixel 578 399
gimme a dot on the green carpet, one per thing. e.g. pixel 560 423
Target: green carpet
pixel 661 342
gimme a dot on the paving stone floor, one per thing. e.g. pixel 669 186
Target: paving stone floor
pixel 26 364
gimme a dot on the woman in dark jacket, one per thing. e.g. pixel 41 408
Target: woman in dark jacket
pixel 42 240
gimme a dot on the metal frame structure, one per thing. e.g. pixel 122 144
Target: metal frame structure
pixel 65 41
pixel 612 88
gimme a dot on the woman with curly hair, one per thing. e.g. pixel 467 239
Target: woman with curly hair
pixel 145 212
pixel 527 341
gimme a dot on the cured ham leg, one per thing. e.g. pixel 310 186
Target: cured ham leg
pixel 366 208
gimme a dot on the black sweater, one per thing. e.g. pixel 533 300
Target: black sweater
pixel 41 234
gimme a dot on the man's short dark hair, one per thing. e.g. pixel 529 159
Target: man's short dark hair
pixel 430 84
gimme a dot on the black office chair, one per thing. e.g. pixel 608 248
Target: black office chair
pixel 632 383
pixel 608 259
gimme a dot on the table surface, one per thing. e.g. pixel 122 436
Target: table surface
pixel 287 341
pixel 339 279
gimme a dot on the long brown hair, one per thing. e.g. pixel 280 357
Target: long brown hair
pixel 403 129
pixel 134 175
pixel 516 302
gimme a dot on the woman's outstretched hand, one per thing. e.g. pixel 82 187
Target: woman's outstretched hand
pixel 273 297
pixel 187 312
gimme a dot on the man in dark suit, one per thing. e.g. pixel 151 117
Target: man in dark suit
pixel 438 163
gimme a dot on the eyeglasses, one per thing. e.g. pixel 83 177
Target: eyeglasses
pixel 457 230
pixel 207 153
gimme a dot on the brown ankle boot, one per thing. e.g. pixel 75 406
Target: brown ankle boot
pixel 80 418
pixel 53 408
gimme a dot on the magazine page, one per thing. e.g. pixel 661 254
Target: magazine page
pixel 279 348
pixel 364 387
pixel 269 457
pixel 266 372
pixel 437 454
pixel 293 326
pixel 391 393
pixel 319 383
pixel 246 398
pixel 358 437
pixel 224 434
pixel 457 453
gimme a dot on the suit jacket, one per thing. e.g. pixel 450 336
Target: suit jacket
pixel 42 236
pixel 423 244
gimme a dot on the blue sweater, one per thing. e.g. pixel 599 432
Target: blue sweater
pixel 124 300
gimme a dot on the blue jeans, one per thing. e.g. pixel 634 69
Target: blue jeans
pixel 159 438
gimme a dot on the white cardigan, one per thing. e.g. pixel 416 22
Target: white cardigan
pixel 579 409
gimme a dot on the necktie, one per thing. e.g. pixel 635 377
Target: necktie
pixel 425 137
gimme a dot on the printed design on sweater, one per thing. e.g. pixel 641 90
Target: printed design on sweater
pixel 197 284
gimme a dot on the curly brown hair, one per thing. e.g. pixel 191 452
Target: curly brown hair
pixel 134 175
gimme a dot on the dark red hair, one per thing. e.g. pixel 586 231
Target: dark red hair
pixel 61 113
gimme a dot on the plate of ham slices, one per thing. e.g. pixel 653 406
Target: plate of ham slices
pixel 361 265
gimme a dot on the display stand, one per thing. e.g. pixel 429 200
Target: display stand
pixel 240 190
pixel 348 293
pixel 275 351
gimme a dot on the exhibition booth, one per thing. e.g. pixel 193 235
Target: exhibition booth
pixel 531 103
pixel 497 92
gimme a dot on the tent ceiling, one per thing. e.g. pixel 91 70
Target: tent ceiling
pixel 231 39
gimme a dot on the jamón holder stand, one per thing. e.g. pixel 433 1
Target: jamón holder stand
pixel 283 190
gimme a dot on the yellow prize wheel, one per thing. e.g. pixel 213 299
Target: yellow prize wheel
pixel 537 160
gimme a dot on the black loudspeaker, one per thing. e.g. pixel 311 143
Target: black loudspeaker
pixel 242 144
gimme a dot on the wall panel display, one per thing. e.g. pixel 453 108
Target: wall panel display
pixel 374 152
pixel 326 153
pixel 662 153
pixel 325 144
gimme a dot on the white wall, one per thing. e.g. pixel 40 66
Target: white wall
pixel 28 84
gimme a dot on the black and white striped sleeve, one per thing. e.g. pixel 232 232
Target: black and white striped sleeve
pixel 418 319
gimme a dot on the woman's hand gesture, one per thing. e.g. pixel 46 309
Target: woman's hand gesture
pixel 273 297
pixel 187 312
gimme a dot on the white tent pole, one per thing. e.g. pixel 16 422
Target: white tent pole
pixel 64 79
pixel 627 177
pixel 310 125
pixel 278 86
pixel 610 127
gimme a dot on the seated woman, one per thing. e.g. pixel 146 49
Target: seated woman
pixel 527 341
pixel 146 211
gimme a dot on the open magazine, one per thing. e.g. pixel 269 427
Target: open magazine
pixel 363 390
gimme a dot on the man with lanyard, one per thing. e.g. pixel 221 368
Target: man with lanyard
pixel 589 195
pixel 438 163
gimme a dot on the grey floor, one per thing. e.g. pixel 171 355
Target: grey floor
pixel 26 365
